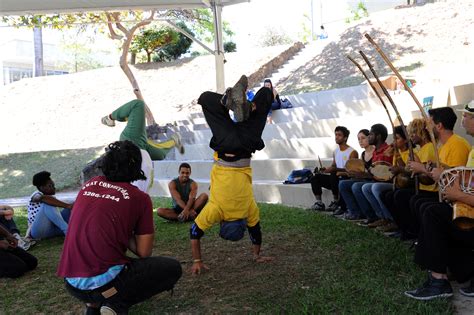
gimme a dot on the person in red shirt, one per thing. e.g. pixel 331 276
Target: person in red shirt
pixel 110 217
pixel 377 137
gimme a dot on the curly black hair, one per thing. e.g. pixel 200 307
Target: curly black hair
pixel 122 162
pixel 40 179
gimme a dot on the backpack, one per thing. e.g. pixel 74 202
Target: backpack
pixel 299 176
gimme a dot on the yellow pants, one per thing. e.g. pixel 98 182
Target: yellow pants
pixel 231 198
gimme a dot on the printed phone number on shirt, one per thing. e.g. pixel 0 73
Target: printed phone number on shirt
pixel 103 196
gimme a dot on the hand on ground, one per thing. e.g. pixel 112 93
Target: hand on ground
pixel 198 267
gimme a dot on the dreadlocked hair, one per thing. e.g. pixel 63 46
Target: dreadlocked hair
pixel 418 127
pixel 122 162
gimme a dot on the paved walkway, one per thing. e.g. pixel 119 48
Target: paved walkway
pixel 23 201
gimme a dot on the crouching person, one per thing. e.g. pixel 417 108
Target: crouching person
pixel 110 217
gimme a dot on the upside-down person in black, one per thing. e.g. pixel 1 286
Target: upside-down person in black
pixel 231 201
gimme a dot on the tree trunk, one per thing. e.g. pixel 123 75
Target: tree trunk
pixel 114 18
pixel 38 69
pixel 148 57
pixel 133 57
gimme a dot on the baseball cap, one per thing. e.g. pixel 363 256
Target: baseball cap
pixel 469 108
pixel 233 230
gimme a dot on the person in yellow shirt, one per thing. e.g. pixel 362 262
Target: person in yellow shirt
pixel 398 201
pixel 453 151
pixel 231 203
pixel 441 244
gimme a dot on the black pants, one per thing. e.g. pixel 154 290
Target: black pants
pixel 15 262
pixel 241 138
pixel 10 225
pixel 441 245
pixel 416 208
pixel 139 280
pixel 328 181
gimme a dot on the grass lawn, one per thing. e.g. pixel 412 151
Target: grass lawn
pixel 322 265
pixel 65 166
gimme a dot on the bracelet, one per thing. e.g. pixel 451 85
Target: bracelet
pixel 197 260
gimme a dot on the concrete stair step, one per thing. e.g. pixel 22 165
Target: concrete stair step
pixel 274 149
pixel 299 195
pixel 273 169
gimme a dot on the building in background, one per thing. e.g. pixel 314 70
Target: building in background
pixel 16 60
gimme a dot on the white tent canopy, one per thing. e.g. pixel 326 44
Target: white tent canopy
pixel 24 7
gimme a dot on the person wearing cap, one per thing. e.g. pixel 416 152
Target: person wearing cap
pixel 441 244
pixel 231 203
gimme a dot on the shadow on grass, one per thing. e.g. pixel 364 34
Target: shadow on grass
pixel 65 166
pixel 322 265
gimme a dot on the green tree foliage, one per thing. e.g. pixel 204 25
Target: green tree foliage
pixel 174 50
pixel 204 28
pixel 152 39
pixel 79 51
pixel 273 36
pixel 358 12
pixel 230 47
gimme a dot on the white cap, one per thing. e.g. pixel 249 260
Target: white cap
pixel 469 108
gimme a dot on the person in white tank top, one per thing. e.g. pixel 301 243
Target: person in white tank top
pixel 329 177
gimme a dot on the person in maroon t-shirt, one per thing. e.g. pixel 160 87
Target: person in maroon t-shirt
pixel 110 217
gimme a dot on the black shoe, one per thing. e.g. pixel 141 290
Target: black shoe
pixel 339 211
pixel 432 289
pixel 318 206
pixel 468 291
pixel 92 310
pixel 333 206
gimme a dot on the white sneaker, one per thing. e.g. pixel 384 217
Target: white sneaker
pixel 106 120
pixel 23 244
pixel 177 142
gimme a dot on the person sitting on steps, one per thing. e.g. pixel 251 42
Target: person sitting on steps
pixel 329 177
pixel 183 191
pixel 133 113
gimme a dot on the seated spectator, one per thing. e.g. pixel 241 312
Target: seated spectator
pixel 44 218
pixel 110 217
pixel 353 211
pixel 441 244
pixel 377 136
pixel 276 104
pixel 374 191
pixel 398 200
pixel 7 221
pixel 183 191
pixel 329 177
pixel 453 151
pixel 14 261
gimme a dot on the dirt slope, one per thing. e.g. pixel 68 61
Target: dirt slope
pixel 434 41
pixel 63 112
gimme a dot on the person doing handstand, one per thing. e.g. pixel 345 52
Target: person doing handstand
pixel 231 202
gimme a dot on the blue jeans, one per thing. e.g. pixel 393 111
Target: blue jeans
pixel 363 203
pixel 49 222
pixel 373 194
pixel 345 191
